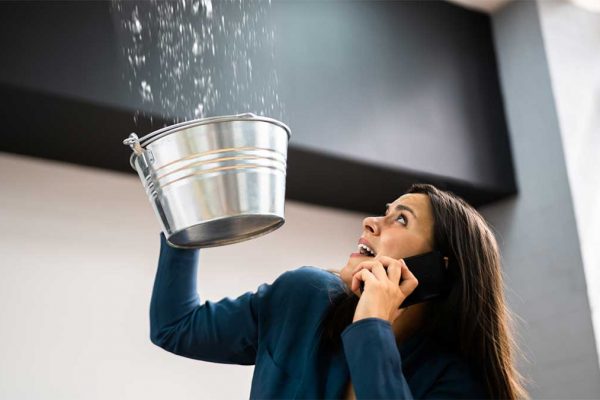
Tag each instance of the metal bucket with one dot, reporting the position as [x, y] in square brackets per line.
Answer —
[214, 181]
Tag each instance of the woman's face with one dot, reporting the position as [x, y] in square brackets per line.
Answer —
[406, 230]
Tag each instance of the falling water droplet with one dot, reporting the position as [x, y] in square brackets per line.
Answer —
[198, 112]
[195, 49]
[207, 5]
[146, 92]
[136, 24]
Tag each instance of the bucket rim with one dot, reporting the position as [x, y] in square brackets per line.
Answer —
[155, 135]
[167, 130]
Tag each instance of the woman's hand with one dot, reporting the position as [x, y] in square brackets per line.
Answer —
[384, 292]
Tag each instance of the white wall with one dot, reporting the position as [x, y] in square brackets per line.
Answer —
[79, 249]
[572, 42]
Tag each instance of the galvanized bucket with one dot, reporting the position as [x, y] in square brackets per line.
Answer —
[214, 181]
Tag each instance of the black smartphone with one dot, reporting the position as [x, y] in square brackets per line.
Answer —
[431, 272]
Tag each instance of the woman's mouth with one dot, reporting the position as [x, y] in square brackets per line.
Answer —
[363, 251]
[366, 250]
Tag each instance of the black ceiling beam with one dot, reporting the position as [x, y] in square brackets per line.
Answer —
[58, 128]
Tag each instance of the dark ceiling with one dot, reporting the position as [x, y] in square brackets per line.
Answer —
[56, 104]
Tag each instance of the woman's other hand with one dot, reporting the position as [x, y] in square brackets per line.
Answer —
[384, 291]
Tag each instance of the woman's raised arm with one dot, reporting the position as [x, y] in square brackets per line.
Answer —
[225, 331]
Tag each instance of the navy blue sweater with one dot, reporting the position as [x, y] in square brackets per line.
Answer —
[278, 329]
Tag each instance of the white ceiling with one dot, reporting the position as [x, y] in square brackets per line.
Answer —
[487, 6]
[491, 6]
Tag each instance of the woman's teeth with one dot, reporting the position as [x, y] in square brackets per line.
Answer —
[366, 250]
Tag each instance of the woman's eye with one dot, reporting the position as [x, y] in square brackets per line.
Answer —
[402, 216]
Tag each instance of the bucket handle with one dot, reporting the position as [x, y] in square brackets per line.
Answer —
[134, 142]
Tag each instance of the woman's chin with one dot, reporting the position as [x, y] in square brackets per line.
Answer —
[345, 274]
[353, 263]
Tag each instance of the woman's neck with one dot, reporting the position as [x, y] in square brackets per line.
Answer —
[409, 322]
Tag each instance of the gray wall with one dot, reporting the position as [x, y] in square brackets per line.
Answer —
[537, 230]
[572, 41]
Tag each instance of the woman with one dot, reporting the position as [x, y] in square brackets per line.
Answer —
[313, 334]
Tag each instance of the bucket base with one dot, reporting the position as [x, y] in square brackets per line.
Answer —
[218, 232]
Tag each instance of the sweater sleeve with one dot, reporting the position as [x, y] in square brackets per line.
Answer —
[374, 360]
[225, 331]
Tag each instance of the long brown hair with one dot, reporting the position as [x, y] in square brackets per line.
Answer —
[473, 319]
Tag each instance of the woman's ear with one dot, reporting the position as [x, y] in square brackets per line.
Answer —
[446, 262]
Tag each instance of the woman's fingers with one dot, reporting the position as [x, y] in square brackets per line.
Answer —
[364, 275]
[394, 268]
[387, 268]
[378, 270]
[383, 268]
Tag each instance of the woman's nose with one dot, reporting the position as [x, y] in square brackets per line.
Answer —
[371, 224]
